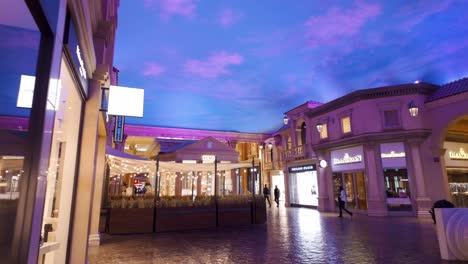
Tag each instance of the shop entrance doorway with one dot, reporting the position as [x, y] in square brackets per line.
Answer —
[456, 161]
[278, 180]
[354, 185]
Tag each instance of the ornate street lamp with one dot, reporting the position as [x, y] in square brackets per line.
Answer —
[413, 109]
[285, 120]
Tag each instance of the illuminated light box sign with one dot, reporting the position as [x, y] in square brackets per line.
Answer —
[119, 129]
[26, 92]
[347, 159]
[459, 155]
[302, 168]
[393, 154]
[125, 101]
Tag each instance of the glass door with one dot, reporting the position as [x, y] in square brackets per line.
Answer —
[354, 185]
[350, 190]
[361, 191]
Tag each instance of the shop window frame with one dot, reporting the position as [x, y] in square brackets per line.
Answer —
[342, 115]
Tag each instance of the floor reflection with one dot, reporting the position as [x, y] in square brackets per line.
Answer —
[291, 235]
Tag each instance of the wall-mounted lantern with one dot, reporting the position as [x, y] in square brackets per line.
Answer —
[413, 109]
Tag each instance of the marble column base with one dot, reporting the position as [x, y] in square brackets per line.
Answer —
[377, 208]
[323, 204]
[423, 205]
[94, 240]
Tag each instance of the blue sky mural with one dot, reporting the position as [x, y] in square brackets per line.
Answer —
[238, 65]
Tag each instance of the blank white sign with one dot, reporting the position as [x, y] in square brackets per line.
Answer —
[125, 101]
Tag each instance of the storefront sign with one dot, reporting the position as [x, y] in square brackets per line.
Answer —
[302, 168]
[119, 129]
[347, 159]
[80, 61]
[459, 155]
[393, 154]
[76, 52]
[208, 158]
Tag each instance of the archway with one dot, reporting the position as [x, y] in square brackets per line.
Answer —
[455, 144]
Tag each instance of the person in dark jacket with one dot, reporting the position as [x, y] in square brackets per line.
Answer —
[266, 194]
[277, 195]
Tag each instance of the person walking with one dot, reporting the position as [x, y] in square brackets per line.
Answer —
[341, 201]
[266, 194]
[277, 195]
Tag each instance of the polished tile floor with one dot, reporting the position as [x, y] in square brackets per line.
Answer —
[291, 235]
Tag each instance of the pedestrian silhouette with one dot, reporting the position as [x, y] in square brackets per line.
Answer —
[277, 195]
[341, 201]
[266, 194]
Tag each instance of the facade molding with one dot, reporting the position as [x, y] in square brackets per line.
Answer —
[193, 134]
[373, 138]
[373, 93]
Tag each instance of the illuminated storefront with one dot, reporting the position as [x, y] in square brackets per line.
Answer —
[349, 172]
[303, 185]
[456, 162]
[49, 73]
[397, 184]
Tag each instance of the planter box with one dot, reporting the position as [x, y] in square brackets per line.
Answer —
[232, 215]
[260, 213]
[184, 218]
[131, 220]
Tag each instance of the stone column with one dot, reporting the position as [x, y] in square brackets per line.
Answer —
[441, 173]
[86, 176]
[100, 181]
[324, 180]
[423, 202]
[374, 173]
[309, 128]
[287, 187]
[199, 180]
[235, 181]
[293, 132]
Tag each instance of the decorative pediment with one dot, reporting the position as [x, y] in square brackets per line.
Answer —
[207, 145]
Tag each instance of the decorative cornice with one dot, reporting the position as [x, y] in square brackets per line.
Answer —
[373, 138]
[373, 93]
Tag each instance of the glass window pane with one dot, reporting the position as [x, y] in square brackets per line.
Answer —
[19, 48]
[346, 124]
[324, 132]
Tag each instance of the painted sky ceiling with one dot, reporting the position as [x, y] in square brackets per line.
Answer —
[238, 65]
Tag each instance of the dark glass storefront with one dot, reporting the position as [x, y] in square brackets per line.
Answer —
[29, 73]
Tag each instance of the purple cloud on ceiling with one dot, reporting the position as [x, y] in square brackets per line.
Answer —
[229, 17]
[169, 8]
[213, 66]
[338, 23]
[415, 14]
[153, 69]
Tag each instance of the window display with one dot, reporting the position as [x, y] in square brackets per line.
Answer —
[62, 167]
[458, 187]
